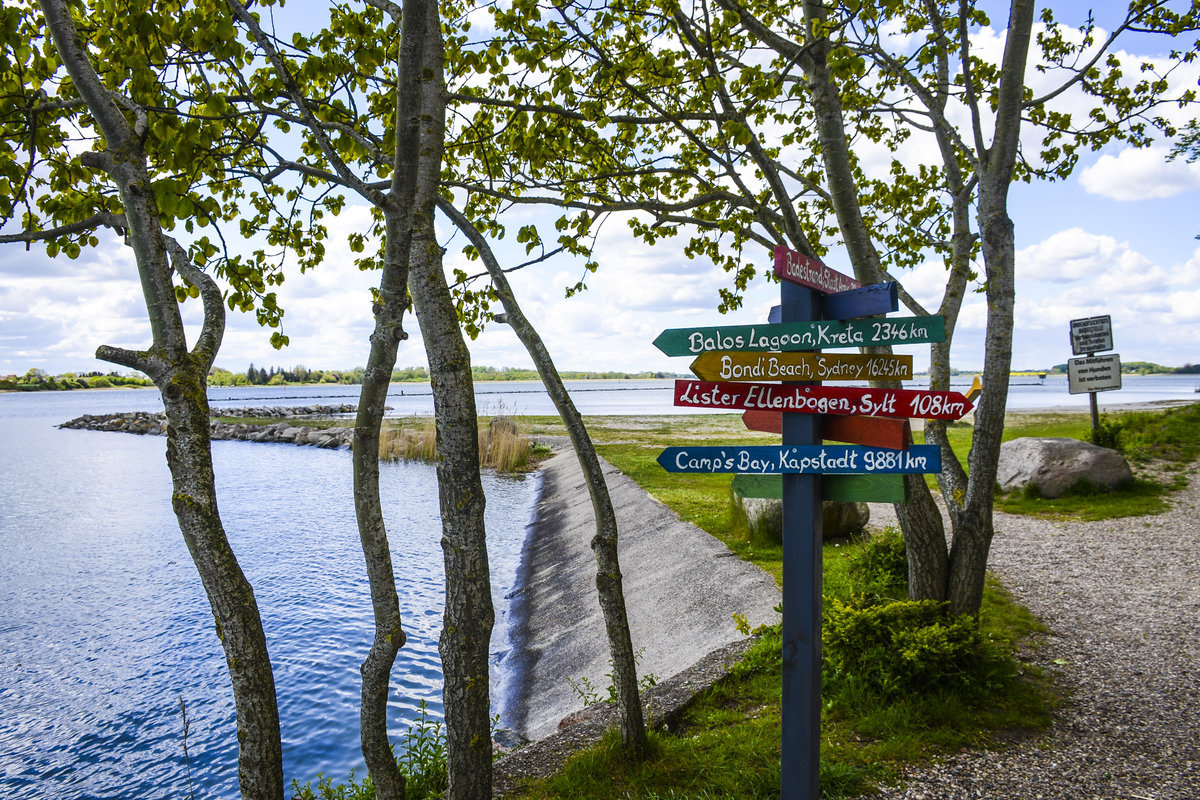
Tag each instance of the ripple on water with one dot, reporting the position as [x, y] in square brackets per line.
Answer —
[104, 627]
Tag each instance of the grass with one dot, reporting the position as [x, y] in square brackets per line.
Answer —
[504, 444]
[728, 742]
[1160, 445]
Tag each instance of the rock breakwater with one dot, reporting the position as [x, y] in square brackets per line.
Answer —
[289, 430]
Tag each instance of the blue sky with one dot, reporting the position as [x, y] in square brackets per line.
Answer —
[1116, 238]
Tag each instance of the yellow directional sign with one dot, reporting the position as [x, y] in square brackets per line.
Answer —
[799, 366]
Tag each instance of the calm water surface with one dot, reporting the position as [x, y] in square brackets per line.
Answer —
[104, 628]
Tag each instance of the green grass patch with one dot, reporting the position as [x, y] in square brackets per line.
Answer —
[1160, 445]
[728, 742]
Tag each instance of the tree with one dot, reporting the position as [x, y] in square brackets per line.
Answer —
[311, 83]
[604, 544]
[757, 121]
[64, 202]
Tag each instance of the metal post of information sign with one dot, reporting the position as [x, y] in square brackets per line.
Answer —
[1093, 373]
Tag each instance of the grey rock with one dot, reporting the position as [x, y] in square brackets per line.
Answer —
[1056, 465]
[764, 518]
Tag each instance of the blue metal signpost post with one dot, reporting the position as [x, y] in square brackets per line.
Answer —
[801, 713]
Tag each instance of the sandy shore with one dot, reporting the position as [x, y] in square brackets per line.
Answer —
[682, 588]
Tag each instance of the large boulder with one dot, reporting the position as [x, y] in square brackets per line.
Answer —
[764, 518]
[1056, 465]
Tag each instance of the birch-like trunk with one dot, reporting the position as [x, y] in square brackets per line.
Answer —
[920, 520]
[389, 635]
[973, 536]
[468, 616]
[181, 377]
[604, 543]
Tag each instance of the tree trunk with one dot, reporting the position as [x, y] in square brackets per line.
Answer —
[239, 626]
[604, 543]
[973, 536]
[469, 616]
[181, 377]
[389, 636]
[919, 517]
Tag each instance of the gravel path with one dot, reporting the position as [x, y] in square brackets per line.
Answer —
[1122, 601]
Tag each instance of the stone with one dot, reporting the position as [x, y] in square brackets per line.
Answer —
[764, 518]
[1057, 465]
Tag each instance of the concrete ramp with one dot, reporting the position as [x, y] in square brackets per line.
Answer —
[682, 588]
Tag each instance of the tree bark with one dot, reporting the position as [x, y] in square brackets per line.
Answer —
[181, 377]
[604, 543]
[469, 615]
[919, 517]
[973, 537]
[389, 634]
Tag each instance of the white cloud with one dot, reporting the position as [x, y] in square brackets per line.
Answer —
[1144, 174]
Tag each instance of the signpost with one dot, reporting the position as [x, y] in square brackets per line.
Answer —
[877, 488]
[867, 301]
[820, 459]
[717, 365]
[842, 400]
[802, 335]
[732, 362]
[810, 273]
[1091, 335]
[1093, 374]
[871, 431]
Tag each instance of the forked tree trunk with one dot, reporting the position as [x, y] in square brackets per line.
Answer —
[181, 377]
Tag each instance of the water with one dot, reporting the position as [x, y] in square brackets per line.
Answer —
[104, 627]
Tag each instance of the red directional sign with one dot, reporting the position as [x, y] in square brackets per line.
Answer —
[871, 431]
[799, 268]
[839, 400]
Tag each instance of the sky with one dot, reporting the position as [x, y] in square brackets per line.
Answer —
[1116, 238]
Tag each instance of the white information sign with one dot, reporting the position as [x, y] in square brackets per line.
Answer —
[1095, 374]
[1091, 335]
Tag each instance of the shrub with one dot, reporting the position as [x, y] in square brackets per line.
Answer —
[880, 564]
[894, 647]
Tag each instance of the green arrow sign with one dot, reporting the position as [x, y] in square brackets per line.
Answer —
[846, 488]
[816, 335]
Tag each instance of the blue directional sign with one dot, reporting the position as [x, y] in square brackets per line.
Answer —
[820, 459]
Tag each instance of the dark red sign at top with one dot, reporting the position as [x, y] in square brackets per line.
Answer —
[799, 268]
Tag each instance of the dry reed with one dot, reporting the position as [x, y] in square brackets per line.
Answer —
[503, 445]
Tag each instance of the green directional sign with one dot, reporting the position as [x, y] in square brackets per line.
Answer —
[814, 335]
[880, 488]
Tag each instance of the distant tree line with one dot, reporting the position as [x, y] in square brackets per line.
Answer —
[38, 380]
[1143, 368]
[278, 376]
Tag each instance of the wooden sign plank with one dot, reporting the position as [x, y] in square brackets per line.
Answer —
[844, 488]
[878, 298]
[815, 335]
[719, 365]
[871, 431]
[804, 271]
[819, 459]
[838, 400]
